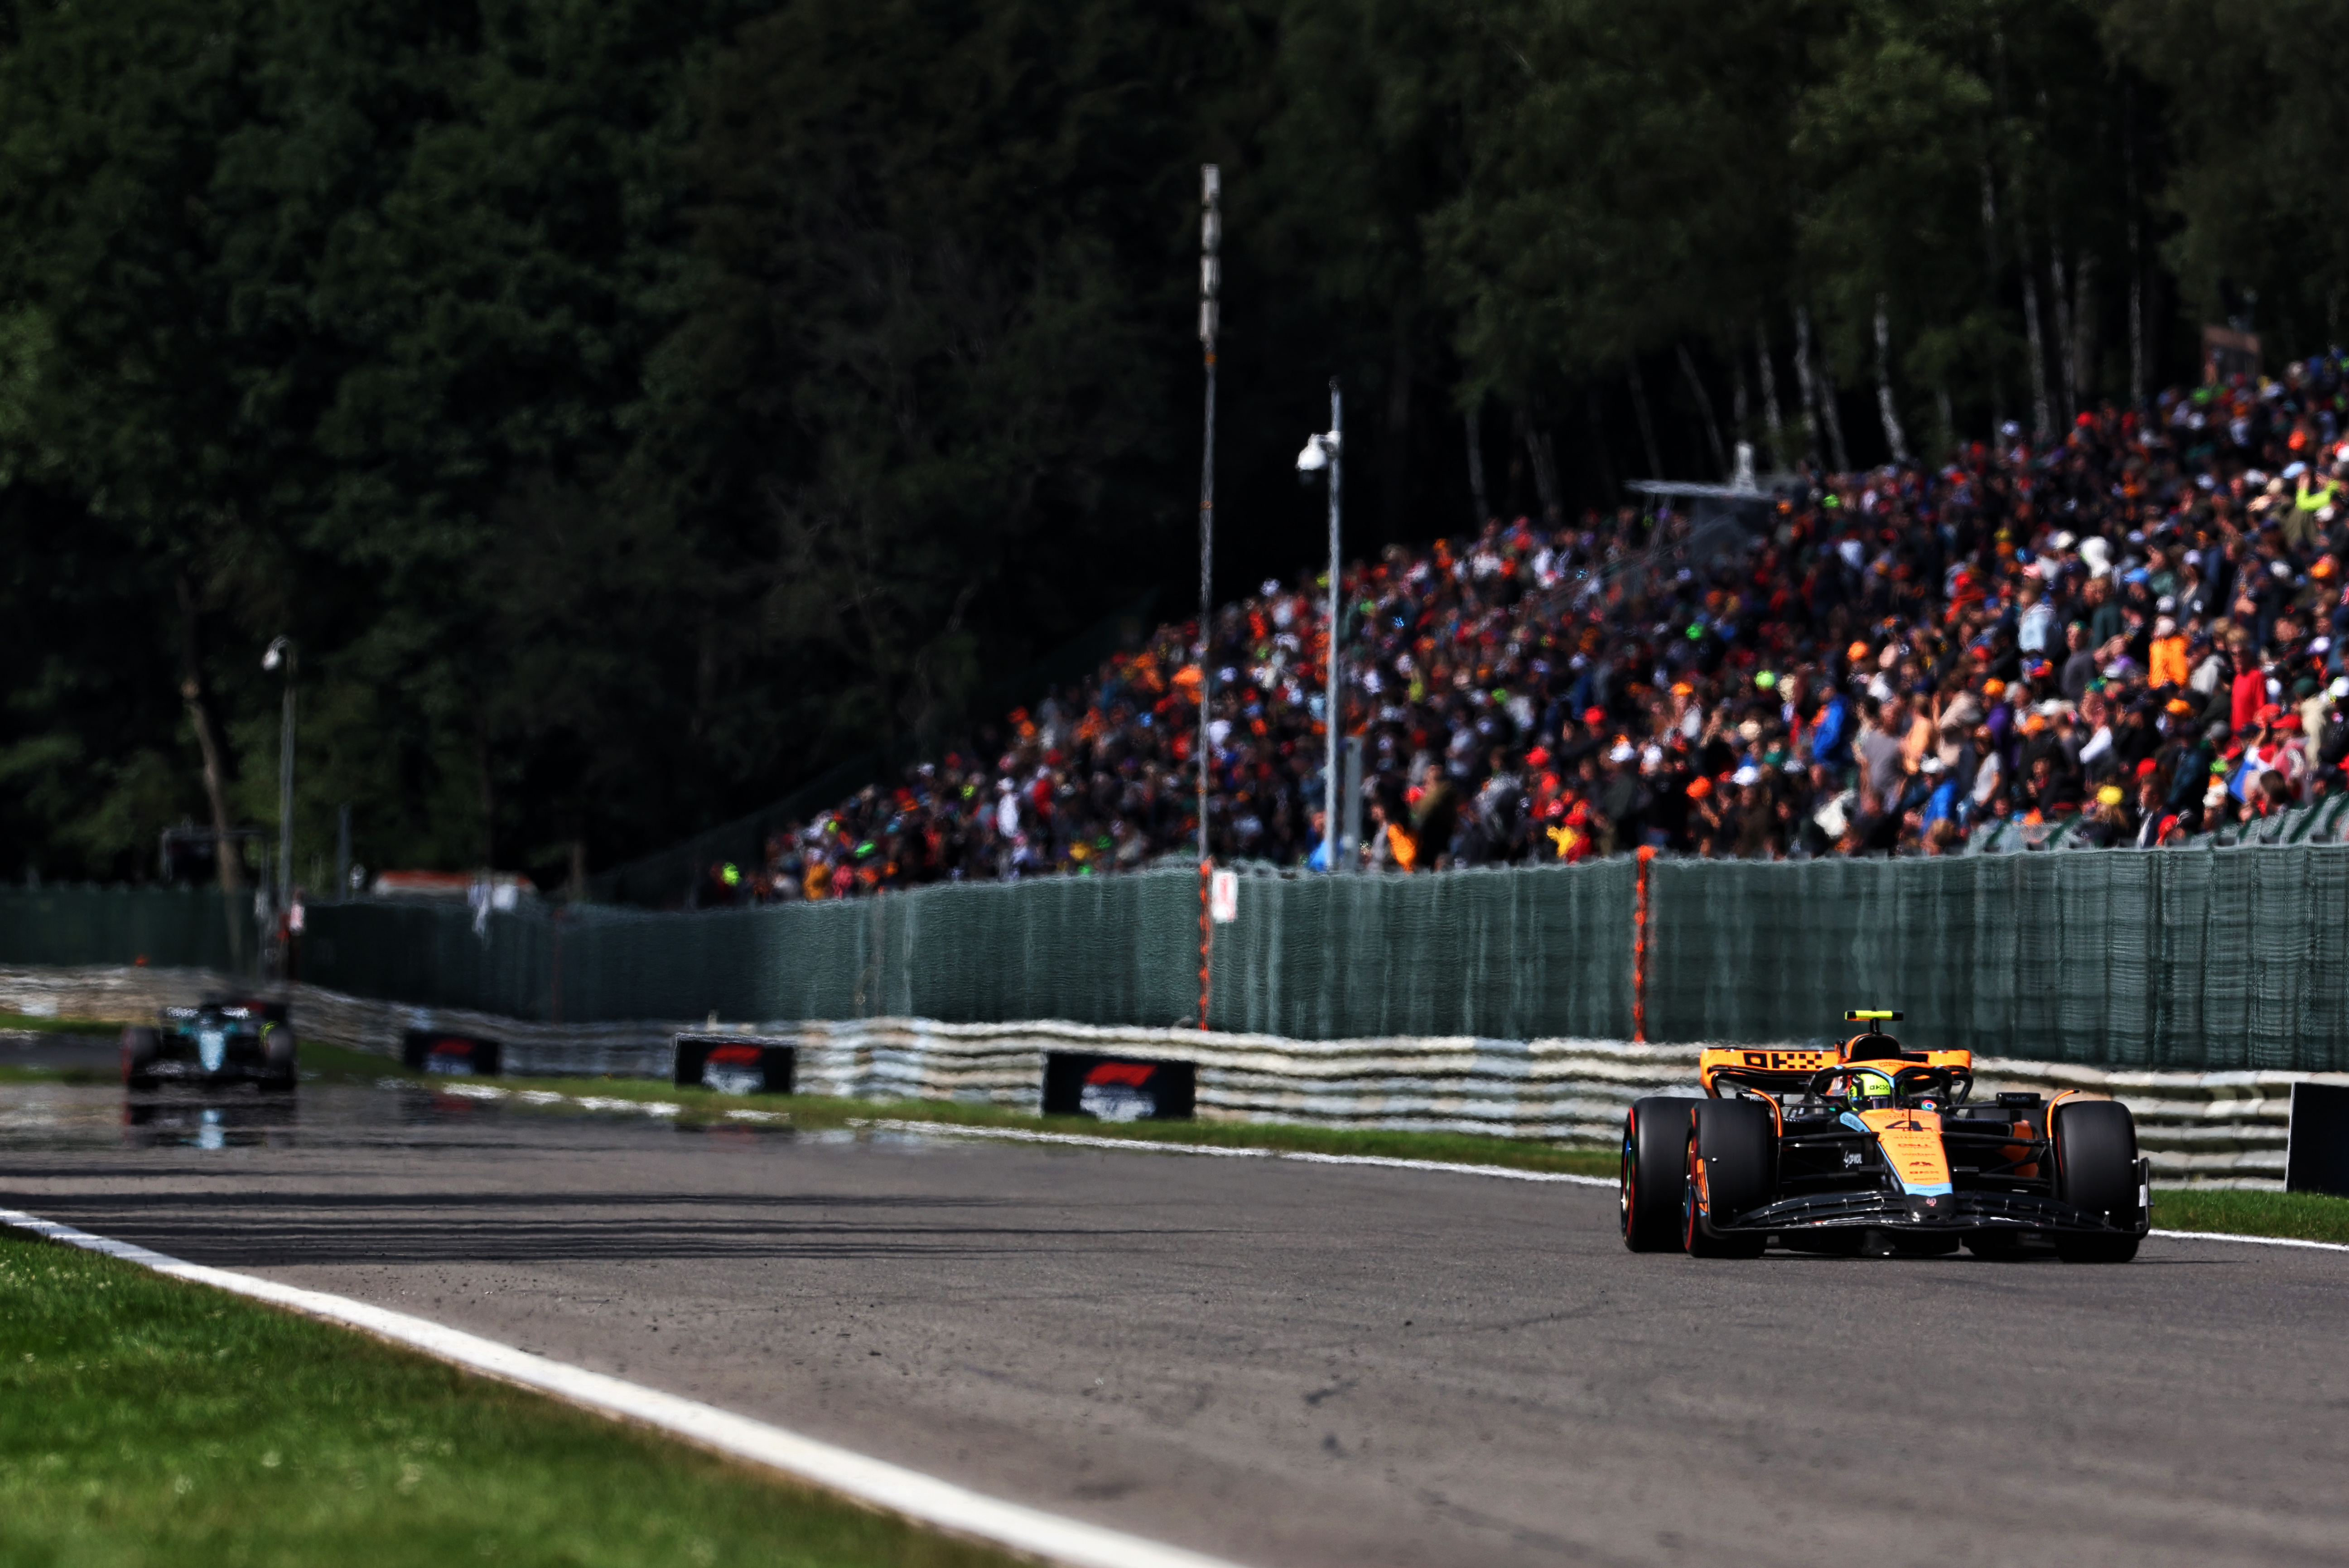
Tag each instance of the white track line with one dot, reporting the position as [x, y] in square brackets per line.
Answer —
[1152, 1145]
[2253, 1240]
[924, 1498]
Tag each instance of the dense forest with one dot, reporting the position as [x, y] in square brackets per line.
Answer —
[629, 409]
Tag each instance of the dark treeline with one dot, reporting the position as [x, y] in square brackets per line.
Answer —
[630, 408]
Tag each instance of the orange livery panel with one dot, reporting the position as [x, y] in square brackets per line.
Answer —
[1911, 1141]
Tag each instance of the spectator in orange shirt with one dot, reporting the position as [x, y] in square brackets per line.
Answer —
[2165, 655]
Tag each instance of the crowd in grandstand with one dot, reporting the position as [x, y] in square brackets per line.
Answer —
[2137, 627]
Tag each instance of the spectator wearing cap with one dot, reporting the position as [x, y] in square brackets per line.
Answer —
[1758, 831]
[2108, 823]
[2314, 505]
[1708, 826]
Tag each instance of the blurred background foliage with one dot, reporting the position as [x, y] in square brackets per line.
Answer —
[631, 409]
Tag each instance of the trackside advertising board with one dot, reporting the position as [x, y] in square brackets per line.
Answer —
[735, 1064]
[1118, 1088]
[2316, 1152]
[450, 1055]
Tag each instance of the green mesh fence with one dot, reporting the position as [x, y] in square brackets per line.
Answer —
[167, 927]
[2190, 959]
[1513, 955]
[2185, 960]
[1120, 950]
[1500, 953]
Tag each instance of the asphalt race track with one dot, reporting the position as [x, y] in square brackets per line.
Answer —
[1286, 1364]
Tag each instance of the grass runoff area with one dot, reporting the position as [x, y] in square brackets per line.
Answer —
[145, 1419]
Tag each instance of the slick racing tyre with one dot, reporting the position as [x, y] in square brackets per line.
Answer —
[1729, 1165]
[277, 1062]
[1655, 1168]
[2097, 1169]
[138, 1051]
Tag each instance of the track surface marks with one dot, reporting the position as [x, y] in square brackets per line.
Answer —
[1283, 1363]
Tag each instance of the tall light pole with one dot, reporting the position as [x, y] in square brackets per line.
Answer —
[280, 652]
[1328, 450]
[1211, 289]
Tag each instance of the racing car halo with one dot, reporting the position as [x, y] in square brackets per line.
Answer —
[1871, 1147]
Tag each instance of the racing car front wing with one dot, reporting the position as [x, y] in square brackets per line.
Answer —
[1949, 1211]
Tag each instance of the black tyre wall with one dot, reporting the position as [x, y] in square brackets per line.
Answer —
[1655, 1156]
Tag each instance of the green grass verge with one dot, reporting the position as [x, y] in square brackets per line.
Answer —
[820, 1113]
[33, 1023]
[147, 1420]
[2303, 1216]
[10, 1073]
[37, 1023]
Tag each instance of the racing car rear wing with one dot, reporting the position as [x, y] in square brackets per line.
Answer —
[1776, 1073]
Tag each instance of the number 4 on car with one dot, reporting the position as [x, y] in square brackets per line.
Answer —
[1869, 1148]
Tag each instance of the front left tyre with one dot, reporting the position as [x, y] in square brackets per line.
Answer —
[1655, 1156]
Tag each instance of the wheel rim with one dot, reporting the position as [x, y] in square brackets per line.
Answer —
[1630, 1168]
[1688, 1197]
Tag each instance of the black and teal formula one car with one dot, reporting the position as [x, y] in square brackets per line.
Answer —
[223, 1040]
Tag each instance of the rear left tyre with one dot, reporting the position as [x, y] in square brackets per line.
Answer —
[2097, 1171]
[1731, 1149]
[1655, 1156]
[277, 1059]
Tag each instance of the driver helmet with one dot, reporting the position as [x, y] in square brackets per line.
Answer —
[1867, 1084]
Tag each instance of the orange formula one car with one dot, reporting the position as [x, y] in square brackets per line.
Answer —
[1873, 1149]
